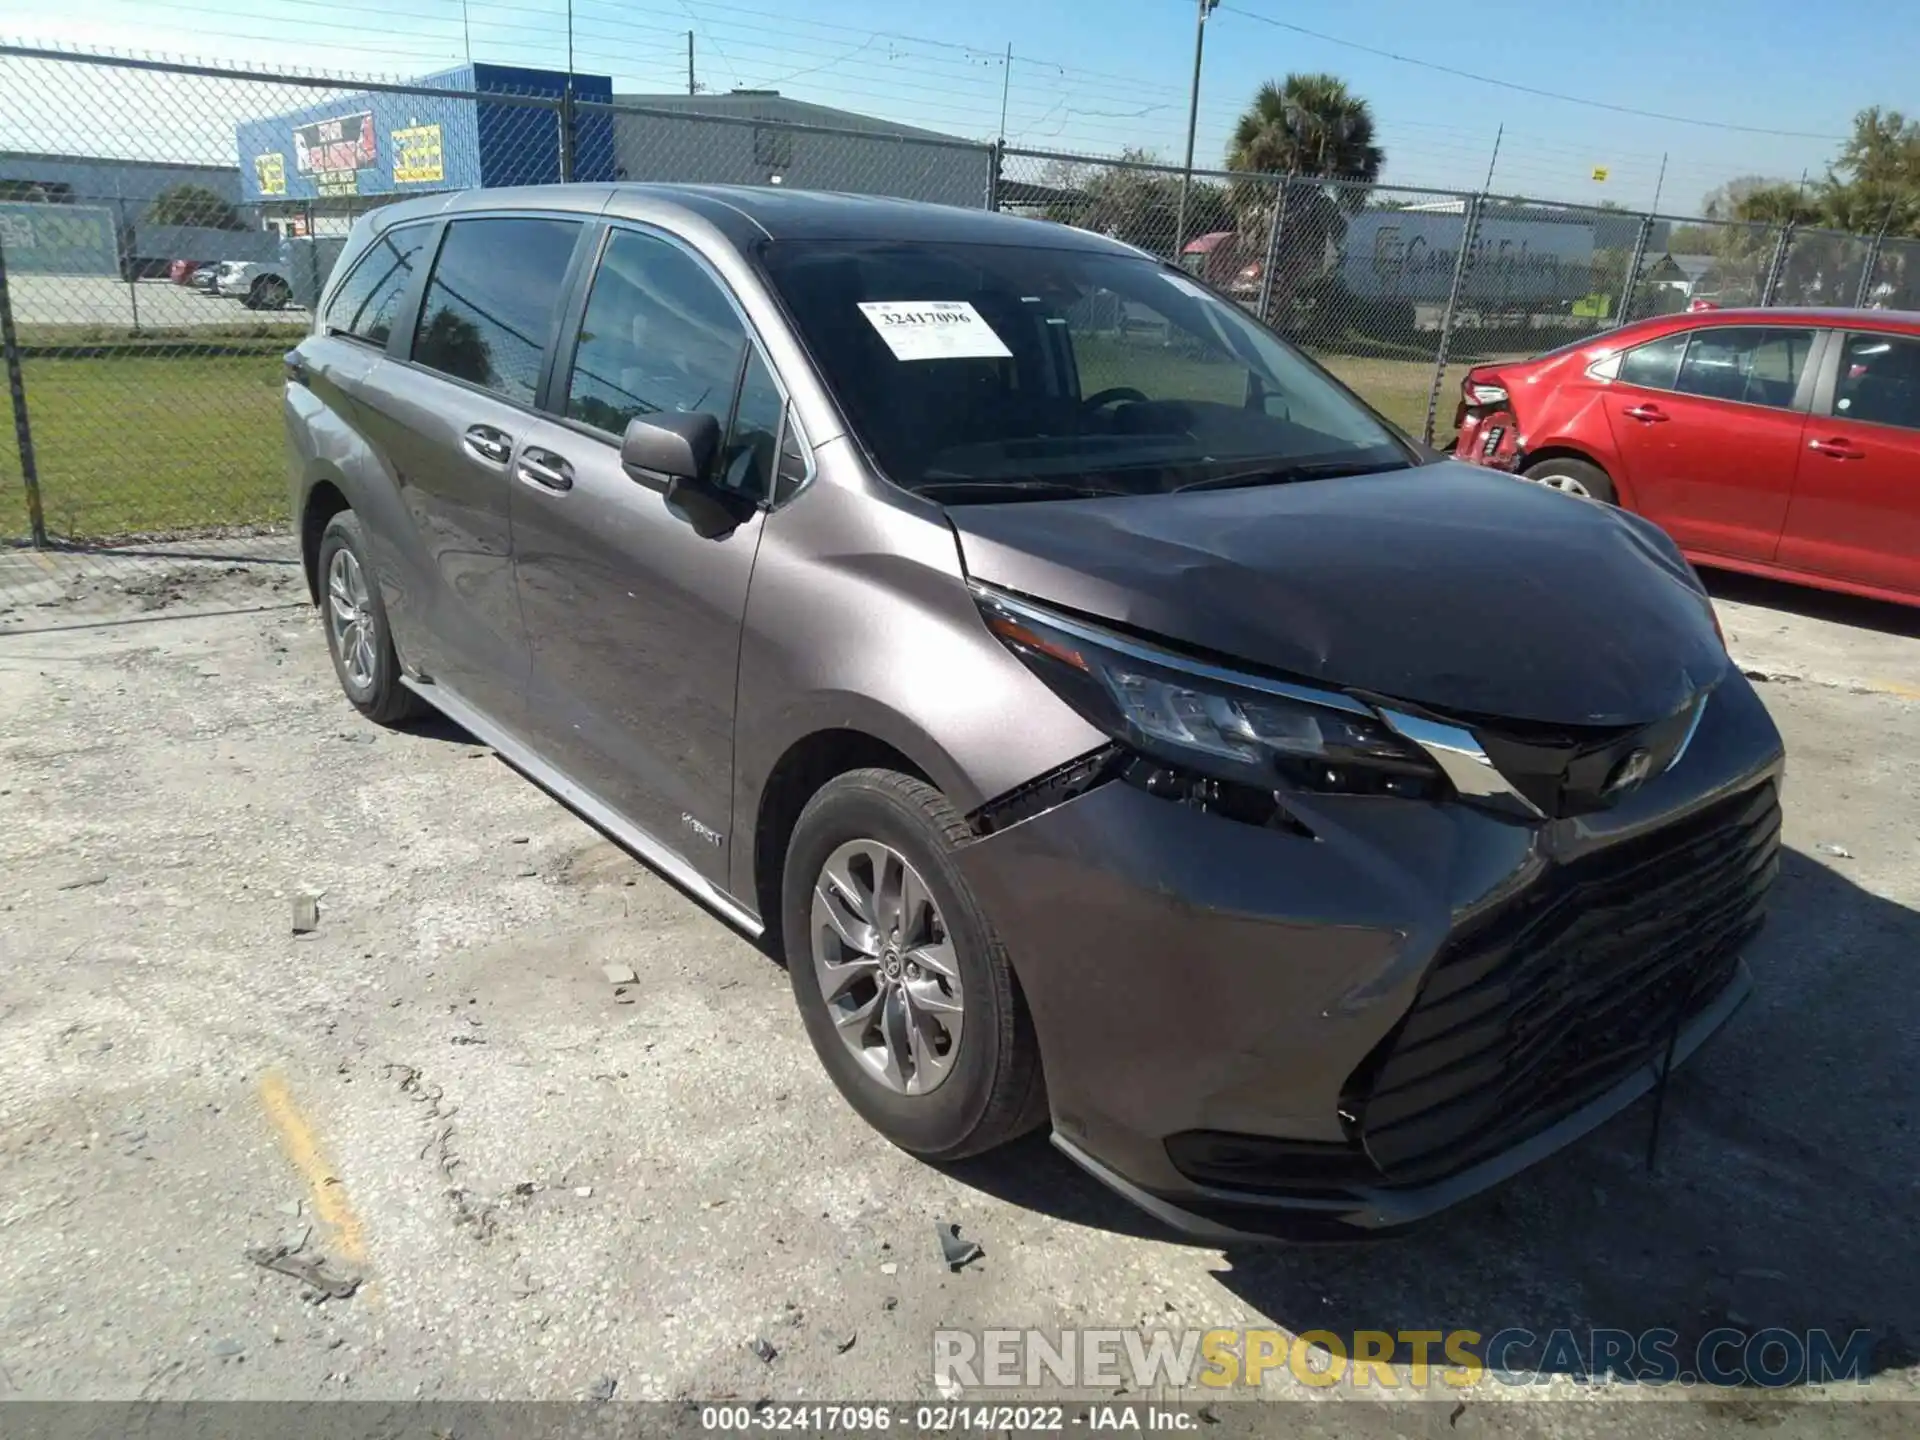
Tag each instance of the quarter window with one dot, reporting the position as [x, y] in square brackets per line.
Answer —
[491, 302]
[659, 335]
[1879, 381]
[369, 298]
[751, 453]
[1654, 365]
[1750, 364]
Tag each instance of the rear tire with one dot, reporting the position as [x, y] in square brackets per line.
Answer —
[269, 292]
[944, 963]
[1573, 477]
[355, 621]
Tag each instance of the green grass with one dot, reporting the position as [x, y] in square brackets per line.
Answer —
[1396, 388]
[141, 445]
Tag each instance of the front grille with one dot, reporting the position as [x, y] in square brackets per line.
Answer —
[1551, 1000]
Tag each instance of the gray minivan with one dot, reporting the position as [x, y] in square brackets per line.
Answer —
[1113, 726]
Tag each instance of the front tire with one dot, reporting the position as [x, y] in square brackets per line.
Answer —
[904, 987]
[355, 620]
[1573, 477]
[269, 292]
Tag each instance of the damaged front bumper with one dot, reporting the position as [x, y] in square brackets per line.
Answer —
[1254, 1032]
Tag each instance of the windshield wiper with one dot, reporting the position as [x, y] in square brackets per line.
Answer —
[1286, 474]
[984, 491]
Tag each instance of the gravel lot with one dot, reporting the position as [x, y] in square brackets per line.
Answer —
[548, 1185]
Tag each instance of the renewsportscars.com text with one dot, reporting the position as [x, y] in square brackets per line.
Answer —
[1394, 1360]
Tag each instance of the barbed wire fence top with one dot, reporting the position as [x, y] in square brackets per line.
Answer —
[167, 226]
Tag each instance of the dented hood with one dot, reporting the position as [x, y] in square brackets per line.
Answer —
[1445, 585]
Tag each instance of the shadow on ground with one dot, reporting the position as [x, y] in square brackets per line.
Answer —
[1829, 605]
[1782, 1197]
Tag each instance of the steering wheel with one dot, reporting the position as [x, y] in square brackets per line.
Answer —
[1112, 394]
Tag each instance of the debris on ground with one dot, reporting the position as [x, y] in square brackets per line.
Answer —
[619, 974]
[583, 1191]
[948, 1387]
[844, 1345]
[309, 1269]
[955, 1251]
[889, 1268]
[603, 1388]
[1826, 847]
[306, 914]
[84, 882]
[519, 839]
[228, 1347]
[763, 1347]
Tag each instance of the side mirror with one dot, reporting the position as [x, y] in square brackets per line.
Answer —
[670, 446]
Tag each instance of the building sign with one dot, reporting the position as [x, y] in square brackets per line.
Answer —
[1407, 255]
[272, 170]
[333, 152]
[417, 156]
[52, 239]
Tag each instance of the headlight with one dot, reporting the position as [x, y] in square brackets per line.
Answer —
[1241, 729]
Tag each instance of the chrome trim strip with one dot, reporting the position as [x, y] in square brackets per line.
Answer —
[1166, 659]
[1459, 755]
[1699, 709]
[589, 807]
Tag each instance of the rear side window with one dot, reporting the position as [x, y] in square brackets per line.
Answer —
[491, 302]
[659, 334]
[1879, 381]
[1749, 364]
[1654, 365]
[369, 298]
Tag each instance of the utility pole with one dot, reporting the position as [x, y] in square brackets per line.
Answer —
[1193, 121]
[692, 89]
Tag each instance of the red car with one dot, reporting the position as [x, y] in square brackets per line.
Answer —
[1785, 443]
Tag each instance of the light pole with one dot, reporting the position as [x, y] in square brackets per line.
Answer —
[1193, 121]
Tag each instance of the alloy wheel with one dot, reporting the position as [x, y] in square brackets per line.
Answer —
[350, 617]
[886, 966]
[1565, 484]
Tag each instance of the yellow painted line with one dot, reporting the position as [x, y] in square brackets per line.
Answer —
[1896, 687]
[329, 1193]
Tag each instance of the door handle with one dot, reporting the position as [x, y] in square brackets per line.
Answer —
[1836, 450]
[1648, 413]
[296, 367]
[490, 444]
[546, 469]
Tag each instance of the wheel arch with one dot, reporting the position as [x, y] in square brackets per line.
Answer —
[325, 499]
[801, 771]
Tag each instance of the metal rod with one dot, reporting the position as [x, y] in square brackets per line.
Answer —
[692, 89]
[1659, 184]
[1498, 135]
[22, 432]
[1640, 242]
[466, 32]
[1193, 123]
[1273, 249]
[1777, 270]
[1460, 265]
[1006, 90]
[1871, 263]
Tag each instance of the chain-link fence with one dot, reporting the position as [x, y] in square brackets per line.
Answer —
[165, 227]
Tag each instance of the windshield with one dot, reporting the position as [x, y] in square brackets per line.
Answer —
[993, 372]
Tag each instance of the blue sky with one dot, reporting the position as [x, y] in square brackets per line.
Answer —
[1090, 77]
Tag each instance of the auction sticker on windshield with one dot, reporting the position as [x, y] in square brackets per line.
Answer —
[934, 330]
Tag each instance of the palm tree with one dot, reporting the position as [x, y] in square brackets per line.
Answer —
[1311, 128]
[1307, 125]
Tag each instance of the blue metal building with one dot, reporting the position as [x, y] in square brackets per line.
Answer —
[382, 143]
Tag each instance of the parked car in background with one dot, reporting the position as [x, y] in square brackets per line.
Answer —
[1156, 745]
[206, 278]
[1780, 442]
[258, 284]
[181, 272]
